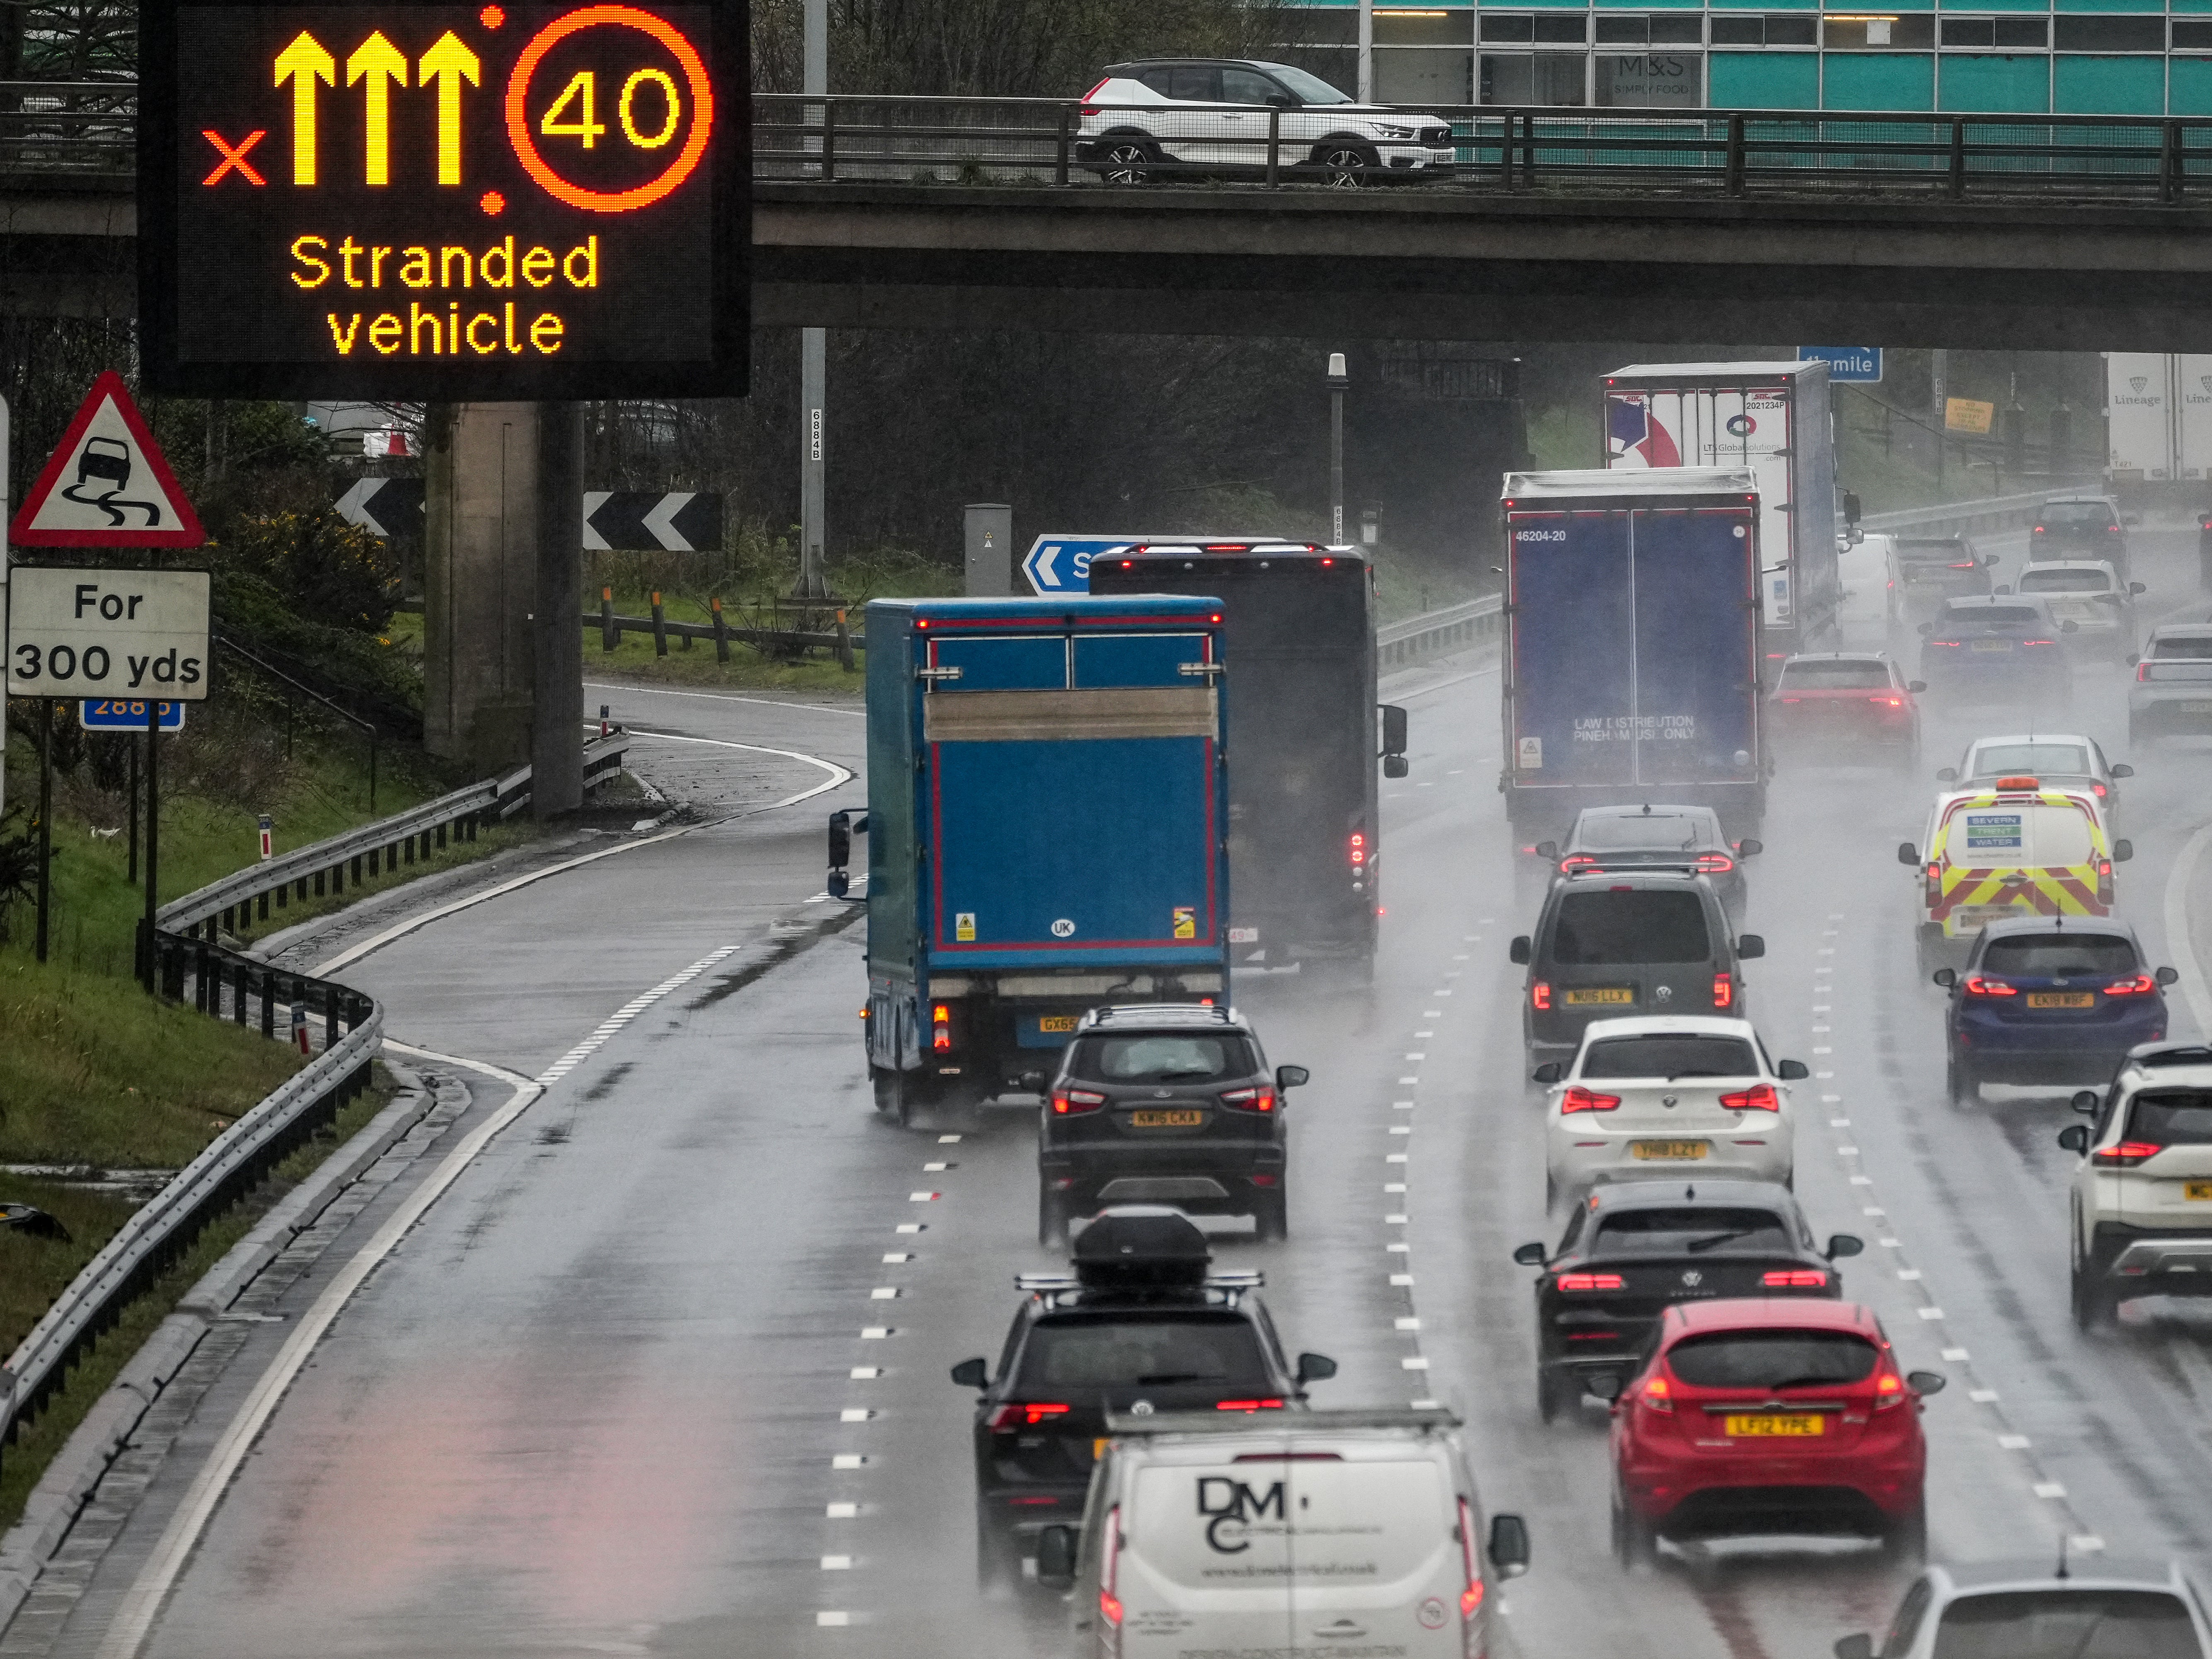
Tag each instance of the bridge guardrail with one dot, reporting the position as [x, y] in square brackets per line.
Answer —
[57, 131]
[1989, 512]
[386, 844]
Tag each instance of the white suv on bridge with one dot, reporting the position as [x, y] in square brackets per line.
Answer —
[1164, 116]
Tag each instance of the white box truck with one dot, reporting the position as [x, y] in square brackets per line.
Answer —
[2158, 417]
[1772, 419]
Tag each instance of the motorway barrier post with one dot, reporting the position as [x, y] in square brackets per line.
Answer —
[298, 1021]
[721, 639]
[610, 629]
[659, 629]
[46, 813]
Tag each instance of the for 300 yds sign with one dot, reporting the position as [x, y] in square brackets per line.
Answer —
[108, 633]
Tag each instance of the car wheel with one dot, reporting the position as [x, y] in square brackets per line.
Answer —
[1052, 1219]
[997, 1554]
[1635, 1541]
[1960, 1083]
[1347, 167]
[1272, 1219]
[1130, 162]
[1550, 1395]
[2092, 1302]
[1907, 1540]
[892, 1093]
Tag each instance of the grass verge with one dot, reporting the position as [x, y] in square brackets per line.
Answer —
[33, 1271]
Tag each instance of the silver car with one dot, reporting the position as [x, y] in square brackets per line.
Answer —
[2173, 691]
[2090, 1608]
[2091, 595]
[2057, 760]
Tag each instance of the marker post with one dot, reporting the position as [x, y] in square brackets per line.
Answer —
[46, 814]
[149, 957]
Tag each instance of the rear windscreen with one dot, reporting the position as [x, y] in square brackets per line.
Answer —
[2064, 582]
[1669, 1057]
[2181, 672]
[2008, 616]
[1935, 553]
[2066, 1624]
[1835, 677]
[1713, 1229]
[1999, 760]
[2077, 513]
[2059, 955]
[1771, 1359]
[2172, 1117]
[2008, 836]
[1160, 1057]
[1630, 928]
[2182, 645]
[1075, 1354]
[1252, 1525]
[1639, 835]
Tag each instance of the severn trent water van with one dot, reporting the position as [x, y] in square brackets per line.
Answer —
[1340, 1532]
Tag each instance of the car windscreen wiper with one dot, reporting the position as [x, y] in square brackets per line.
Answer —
[1683, 1074]
[1158, 1379]
[1183, 1077]
[1711, 1239]
[1804, 1382]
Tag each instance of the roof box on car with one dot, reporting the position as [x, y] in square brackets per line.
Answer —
[1141, 1244]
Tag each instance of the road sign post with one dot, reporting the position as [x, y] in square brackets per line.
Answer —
[46, 814]
[149, 958]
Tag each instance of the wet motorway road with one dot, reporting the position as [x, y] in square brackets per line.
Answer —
[664, 1370]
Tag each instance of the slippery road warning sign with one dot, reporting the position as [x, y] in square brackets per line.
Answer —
[107, 484]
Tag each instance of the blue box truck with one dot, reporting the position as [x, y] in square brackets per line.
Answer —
[1633, 642]
[1047, 829]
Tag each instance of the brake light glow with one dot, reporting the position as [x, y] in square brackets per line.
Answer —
[1715, 864]
[1074, 1103]
[1088, 107]
[1579, 1099]
[1248, 1405]
[1888, 702]
[1759, 1098]
[1358, 851]
[1655, 1395]
[2018, 783]
[2038, 642]
[1109, 1566]
[2141, 985]
[2142, 673]
[1951, 645]
[1978, 985]
[1724, 990]
[1016, 1415]
[940, 1017]
[1592, 1282]
[2104, 881]
[1934, 883]
[2100, 789]
[1575, 861]
[1470, 1598]
[2127, 1154]
[1795, 1278]
[1539, 996]
[1250, 1100]
[1889, 1390]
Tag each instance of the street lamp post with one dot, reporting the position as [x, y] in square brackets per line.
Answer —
[1338, 381]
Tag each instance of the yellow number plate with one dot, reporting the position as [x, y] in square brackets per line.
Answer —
[1166, 1120]
[1782, 1428]
[1611, 996]
[2197, 1192]
[1056, 1021]
[1668, 1149]
[2062, 998]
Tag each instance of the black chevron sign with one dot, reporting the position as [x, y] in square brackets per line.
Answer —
[384, 506]
[672, 521]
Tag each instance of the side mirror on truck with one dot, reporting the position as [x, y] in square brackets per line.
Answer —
[839, 883]
[1394, 764]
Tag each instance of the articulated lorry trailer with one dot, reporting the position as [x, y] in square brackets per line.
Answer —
[1046, 825]
[1773, 421]
[1633, 642]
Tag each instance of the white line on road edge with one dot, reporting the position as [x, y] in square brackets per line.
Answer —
[144, 1600]
[838, 773]
[353, 953]
[2177, 938]
[725, 697]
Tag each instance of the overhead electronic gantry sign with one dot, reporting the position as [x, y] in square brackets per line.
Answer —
[405, 201]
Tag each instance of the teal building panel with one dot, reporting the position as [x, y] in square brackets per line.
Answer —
[2108, 86]
[2190, 89]
[1996, 83]
[1879, 79]
[1763, 79]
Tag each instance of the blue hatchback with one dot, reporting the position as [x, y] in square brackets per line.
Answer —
[2042, 1000]
[1999, 648]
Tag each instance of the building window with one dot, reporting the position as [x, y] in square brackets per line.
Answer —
[2192, 34]
[1544, 28]
[1508, 26]
[2090, 32]
[1774, 29]
[1851, 31]
[1528, 80]
[1396, 27]
[2005, 34]
[1648, 80]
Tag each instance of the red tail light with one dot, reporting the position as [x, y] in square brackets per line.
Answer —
[1979, 986]
[1250, 1100]
[1888, 702]
[1579, 1099]
[1724, 990]
[2039, 530]
[2142, 673]
[1935, 883]
[940, 1020]
[1575, 861]
[1795, 1278]
[2038, 642]
[1963, 564]
[1110, 1574]
[1591, 1282]
[2141, 985]
[1074, 1103]
[2127, 1154]
[1889, 1390]
[1759, 1098]
[1470, 1599]
[1358, 851]
[1248, 1405]
[1657, 1396]
[1949, 644]
[2104, 881]
[2021, 781]
[1715, 864]
[1013, 1415]
[1091, 109]
[2100, 788]
[1540, 997]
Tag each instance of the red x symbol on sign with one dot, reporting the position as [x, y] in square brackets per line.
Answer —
[235, 157]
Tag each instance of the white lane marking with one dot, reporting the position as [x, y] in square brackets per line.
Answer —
[846, 1461]
[2177, 939]
[948, 1140]
[844, 1512]
[725, 697]
[935, 1169]
[1414, 1362]
[2013, 1442]
[1931, 1313]
[1401, 1279]
[832, 1620]
[1957, 1356]
[628, 1012]
[142, 1602]
[908, 1227]
[1982, 1396]
[837, 774]
[837, 1563]
[864, 1373]
[898, 1255]
[1394, 1186]
[2049, 1489]
[875, 1332]
[1409, 1323]
[883, 1293]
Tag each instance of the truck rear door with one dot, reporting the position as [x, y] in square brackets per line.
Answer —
[1037, 750]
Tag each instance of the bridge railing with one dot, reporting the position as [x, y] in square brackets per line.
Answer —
[81, 129]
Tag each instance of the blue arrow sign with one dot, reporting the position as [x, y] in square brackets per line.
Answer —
[1854, 363]
[1061, 564]
[121, 714]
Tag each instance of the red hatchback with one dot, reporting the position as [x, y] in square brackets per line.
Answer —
[1770, 1416]
[1828, 701]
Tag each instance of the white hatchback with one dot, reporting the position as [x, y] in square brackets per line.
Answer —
[1655, 1096]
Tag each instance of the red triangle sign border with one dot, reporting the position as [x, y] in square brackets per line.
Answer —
[187, 533]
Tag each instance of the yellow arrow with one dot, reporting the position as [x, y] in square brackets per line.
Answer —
[304, 63]
[448, 63]
[377, 61]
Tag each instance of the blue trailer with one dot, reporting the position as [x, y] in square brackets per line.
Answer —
[1634, 637]
[1047, 829]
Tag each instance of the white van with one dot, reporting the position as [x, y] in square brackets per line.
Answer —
[1336, 1532]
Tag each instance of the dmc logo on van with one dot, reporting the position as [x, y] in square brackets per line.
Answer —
[1230, 1507]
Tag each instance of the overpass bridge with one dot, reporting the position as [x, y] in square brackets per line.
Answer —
[2048, 232]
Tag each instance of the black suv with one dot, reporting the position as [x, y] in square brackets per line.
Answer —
[1164, 1104]
[2081, 527]
[1615, 943]
[1633, 1249]
[1142, 1325]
